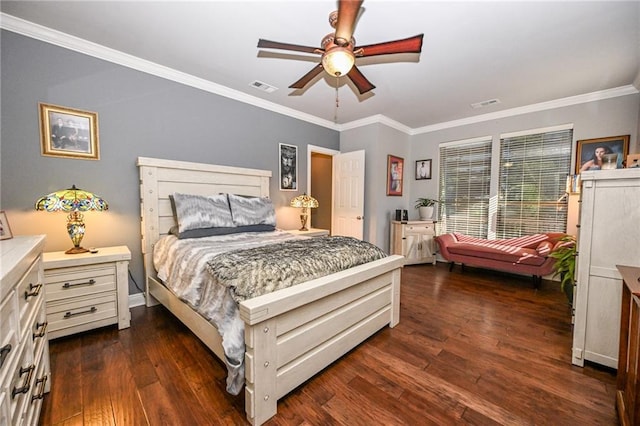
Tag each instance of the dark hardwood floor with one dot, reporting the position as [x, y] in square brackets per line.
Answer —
[472, 347]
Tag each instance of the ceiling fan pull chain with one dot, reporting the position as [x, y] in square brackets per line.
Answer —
[335, 116]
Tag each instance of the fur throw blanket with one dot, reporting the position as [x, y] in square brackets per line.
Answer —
[257, 271]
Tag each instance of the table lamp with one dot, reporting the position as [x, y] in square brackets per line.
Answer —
[74, 201]
[306, 202]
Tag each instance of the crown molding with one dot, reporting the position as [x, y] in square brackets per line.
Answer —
[48, 35]
[542, 106]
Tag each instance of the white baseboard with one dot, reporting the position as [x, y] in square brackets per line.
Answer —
[136, 300]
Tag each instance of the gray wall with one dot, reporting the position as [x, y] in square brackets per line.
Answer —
[378, 141]
[138, 115]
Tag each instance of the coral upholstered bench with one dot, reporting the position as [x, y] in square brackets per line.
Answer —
[528, 255]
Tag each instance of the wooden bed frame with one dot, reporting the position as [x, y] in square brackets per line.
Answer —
[290, 334]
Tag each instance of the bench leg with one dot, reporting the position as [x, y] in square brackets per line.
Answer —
[451, 265]
[537, 280]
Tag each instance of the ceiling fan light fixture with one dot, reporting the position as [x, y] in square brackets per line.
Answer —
[338, 61]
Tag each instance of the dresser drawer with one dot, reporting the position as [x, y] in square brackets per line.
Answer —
[81, 310]
[20, 383]
[39, 331]
[4, 408]
[420, 228]
[39, 387]
[29, 293]
[8, 332]
[65, 283]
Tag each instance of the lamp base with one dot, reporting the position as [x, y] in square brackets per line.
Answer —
[76, 250]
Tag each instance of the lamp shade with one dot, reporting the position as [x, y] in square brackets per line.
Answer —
[304, 200]
[338, 61]
[70, 200]
[73, 201]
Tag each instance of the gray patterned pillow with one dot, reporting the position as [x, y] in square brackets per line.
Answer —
[199, 211]
[251, 210]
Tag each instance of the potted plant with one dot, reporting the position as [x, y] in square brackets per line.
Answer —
[425, 207]
[565, 266]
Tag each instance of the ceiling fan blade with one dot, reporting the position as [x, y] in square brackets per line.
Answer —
[268, 44]
[347, 14]
[307, 77]
[406, 45]
[360, 81]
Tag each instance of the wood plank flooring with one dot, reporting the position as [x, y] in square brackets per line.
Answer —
[472, 347]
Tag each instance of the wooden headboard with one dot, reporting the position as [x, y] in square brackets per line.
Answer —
[161, 178]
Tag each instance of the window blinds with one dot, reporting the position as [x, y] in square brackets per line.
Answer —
[532, 182]
[465, 179]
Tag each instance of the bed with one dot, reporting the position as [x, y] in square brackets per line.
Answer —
[290, 334]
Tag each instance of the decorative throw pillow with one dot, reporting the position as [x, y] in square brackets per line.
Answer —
[251, 210]
[199, 211]
[544, 248]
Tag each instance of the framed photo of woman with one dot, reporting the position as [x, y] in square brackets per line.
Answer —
[601, 153]
[288, 167]
[395, 173]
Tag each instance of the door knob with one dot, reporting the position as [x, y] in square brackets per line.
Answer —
[360, 217]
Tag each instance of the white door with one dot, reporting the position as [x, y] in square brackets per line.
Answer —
[348, 194]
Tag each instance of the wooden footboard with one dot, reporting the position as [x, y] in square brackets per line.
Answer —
[292, 334]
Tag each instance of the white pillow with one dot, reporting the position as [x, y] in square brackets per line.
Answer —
[251, 210]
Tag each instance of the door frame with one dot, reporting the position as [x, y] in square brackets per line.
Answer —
[319, 150]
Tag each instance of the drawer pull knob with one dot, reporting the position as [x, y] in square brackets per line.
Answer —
[69, 285]
[33, 291]
[4, 353]
[88, 311]
[43, 383]
[27, 382]
[43, 329]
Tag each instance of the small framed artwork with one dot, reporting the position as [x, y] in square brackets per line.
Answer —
[601, 153]
[288, 167]
[395, 173]
[5, 231]
[69, 133]
[423, 169]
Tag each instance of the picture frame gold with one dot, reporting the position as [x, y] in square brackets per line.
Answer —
[395, 175]
[5, 229]
[586, 151]
[68, 132]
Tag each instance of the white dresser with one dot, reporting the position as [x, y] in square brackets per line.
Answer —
[609, 235]
[413, 239]
[24, 350]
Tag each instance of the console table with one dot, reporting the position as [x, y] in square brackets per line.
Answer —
[628, 387]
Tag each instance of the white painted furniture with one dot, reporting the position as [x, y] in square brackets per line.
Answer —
[323, 318]
[24, 349]
[609, 234]
[414, 240]
[312, 232]
[86, 291]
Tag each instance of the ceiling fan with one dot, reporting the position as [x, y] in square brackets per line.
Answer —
[339, 51]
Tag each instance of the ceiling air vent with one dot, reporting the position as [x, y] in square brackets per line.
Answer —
[263, 86]
[486, 103]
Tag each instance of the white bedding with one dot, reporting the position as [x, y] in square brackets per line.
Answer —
[181, 265]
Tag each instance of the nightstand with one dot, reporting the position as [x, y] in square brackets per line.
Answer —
[312, 232]
[86, 291]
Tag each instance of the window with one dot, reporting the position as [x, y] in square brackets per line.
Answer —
[465, 178]
[526, 195]
[532, 182]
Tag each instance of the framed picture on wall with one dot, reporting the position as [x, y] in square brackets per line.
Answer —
[288, 167]
[67, 132]
[423, 169]
[601, 153]
[5, 231]
[395, 173]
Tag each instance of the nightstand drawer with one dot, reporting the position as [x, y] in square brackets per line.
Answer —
[64, 283]
[29, 294]
[420, 228]
[81, 310]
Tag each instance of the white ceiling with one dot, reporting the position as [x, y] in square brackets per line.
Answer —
[522, 53]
